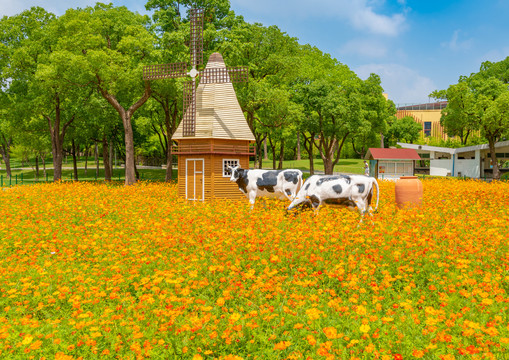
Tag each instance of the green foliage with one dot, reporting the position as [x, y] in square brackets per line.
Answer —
[54, 65]
[403, 130]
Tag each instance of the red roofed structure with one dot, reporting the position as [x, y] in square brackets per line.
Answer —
[391, 163]
[393, 154]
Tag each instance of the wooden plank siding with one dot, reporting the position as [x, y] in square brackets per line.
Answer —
[215, 184]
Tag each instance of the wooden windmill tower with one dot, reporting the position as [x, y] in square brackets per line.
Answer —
[213, 133]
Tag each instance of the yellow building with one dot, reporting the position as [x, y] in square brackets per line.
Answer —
[428, 116]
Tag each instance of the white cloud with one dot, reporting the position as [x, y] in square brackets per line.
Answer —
[367, 48]
[402, 84]
[454, 44]
[495, 55]
[361, 14]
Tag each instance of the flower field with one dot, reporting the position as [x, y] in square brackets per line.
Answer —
[106, 271]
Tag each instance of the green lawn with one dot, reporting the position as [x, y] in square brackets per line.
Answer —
[354, 166]
[28, 176]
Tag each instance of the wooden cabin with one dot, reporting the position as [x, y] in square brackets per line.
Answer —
[222, 138]
[391, 163]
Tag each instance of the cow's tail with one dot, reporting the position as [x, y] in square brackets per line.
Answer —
[377, 192]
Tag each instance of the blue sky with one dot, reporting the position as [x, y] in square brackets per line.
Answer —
[415, 46]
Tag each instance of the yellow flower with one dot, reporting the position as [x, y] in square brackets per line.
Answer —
[27, 340]
[361, 310]
[365, 328]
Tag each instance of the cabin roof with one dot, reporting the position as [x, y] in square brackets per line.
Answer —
[392, 154]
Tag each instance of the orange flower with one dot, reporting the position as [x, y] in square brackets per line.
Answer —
[282, 345]
[418, 353]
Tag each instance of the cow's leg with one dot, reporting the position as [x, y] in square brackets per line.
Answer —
[252, 198]
[361, 206]
[315, 203]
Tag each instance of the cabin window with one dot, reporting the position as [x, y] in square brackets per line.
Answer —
[229, 162]
[427, 128]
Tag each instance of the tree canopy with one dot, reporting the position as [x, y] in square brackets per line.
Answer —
[63, 78]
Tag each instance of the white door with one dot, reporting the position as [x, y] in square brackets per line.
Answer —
[195, 184]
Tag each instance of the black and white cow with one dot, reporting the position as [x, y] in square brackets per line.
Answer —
[352, 191]
[256, 183]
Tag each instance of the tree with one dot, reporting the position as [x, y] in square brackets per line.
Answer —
[479, 102]
[25, 44]
[272, 58]
[404, 129]
[109, 46]
[329, 94]
[455, 118]
[376, 114]
[278, 118]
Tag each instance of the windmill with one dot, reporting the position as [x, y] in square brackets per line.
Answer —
[213, 134]
[207, 76]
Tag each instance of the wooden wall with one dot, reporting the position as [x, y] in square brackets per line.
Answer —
[215, 184]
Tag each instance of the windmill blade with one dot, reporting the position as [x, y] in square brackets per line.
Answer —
[189, 118]
[196, 42]
[173, 70]
[223, 75]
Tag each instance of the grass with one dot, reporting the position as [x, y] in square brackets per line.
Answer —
[28, 176]
[355, 166]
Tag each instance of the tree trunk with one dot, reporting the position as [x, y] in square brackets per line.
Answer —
[259, 148]
[496, 170]
[86, 159]
[106, 160]
[265, 154]
[308, 146]
[57, 163]
[281, 155]
[96, 155]
[130, 173]
[110, 162]
[273, 150]
[36, 167]
[74, 161]
[43, 165]
[57, 138]
[5, 150]
[328, 168]
[169, 163]
[298, 147]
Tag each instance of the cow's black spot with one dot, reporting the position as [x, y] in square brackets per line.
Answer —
[324, 179]
[307, 186]
[242, 180]
[337, 188]
[315, 201]
[347, 178]
[288, 192]
[361, 187]
[291, 176]
[341, 202]
[267, 181]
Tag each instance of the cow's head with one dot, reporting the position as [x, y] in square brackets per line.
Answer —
[300, 203]
[236, 172]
